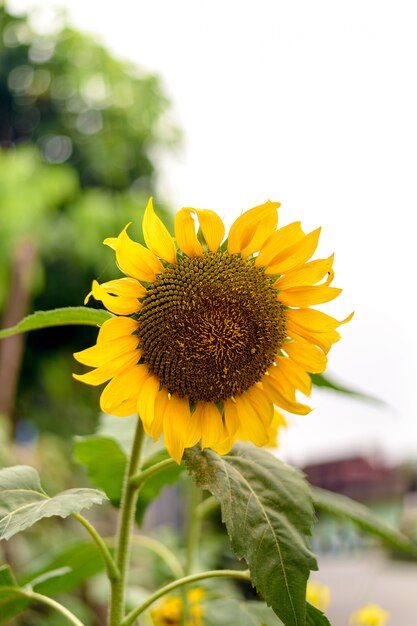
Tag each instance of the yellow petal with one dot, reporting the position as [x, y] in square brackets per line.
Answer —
[212, 228]
[278, 241]
[323, 340]
[116, 327]
[107, 293]
[276, 392]
[263, 407]
[309, 274]
[119, 397]
[146, 400]
[156, 235]
[212, 427]
[294, 256]
[156, 426]
[306, 355]
[102, 353]
[185, 234]
[278, 422]
[176, 422]
[314, 320]
[249, 232]
[231, 418]
[101, 374]
[251, 426]
[134, 259]
[294, 373]
[307, 296]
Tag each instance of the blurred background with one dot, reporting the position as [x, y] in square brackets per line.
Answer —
[222, 105]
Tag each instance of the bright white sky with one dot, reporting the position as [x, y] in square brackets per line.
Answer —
[313, 104]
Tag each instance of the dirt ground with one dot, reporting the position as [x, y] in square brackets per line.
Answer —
[370, 578]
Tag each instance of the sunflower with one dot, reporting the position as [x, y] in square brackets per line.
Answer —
[209, 336]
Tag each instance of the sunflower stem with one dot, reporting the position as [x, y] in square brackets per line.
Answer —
[39, 597]
[137, 480]
[111, 568]
[221, 573]
[127, 513]
[193, 530]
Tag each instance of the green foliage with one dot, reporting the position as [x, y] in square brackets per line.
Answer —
[65, 92]
[231, 612]
[58, 317]
[341, 506]
[267, 509]
[323, 381]
[73, 565]
[23, 502]
[315, 617]
[10, 603]
[112, 443]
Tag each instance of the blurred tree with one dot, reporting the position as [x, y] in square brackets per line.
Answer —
[65, 92]
[79, 135]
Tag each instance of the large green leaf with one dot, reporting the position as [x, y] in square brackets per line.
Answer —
[230, 612]
[343, 507]
[10, 603]
[267, 508]
[320, 380]
[72, 566]
[316, 617]
[59, 317]
[23, 502]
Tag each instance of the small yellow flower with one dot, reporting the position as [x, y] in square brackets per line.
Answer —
[169, 613]
[369, 615]
[318, 595]
[208, 336]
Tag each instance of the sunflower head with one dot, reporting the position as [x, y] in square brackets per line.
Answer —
[209, 336]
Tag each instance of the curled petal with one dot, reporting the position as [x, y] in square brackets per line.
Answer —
[185, 234]
[309, 274]
[156, 235]
[133, 258]
[119, 296]
[212, 228]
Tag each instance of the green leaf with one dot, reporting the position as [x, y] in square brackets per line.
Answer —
[59, 317]
[74, 564]
[112, 443]
[230, 612]
[23, 502]
[343, 507]
[105, 463]
[10, 603]
[316, 617]
[266, 506]
[319, 380]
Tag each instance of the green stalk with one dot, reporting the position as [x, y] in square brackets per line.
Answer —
[111, 568]
[222, 573]
[194, 524]
[127, 514]
[138, 479]
[38, 597]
